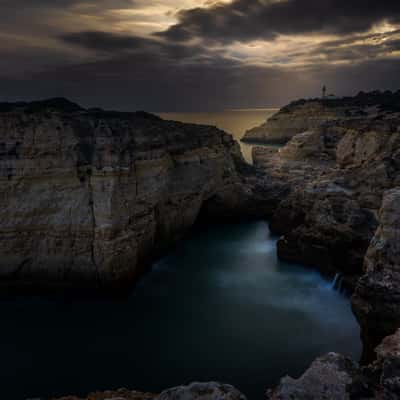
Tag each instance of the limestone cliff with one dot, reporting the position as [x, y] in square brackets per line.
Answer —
[333, 179]
[304, 115]
[376, 301]
[291, 120]
[88, 196]
[327, 186]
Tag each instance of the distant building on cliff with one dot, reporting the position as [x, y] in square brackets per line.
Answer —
[327, 96]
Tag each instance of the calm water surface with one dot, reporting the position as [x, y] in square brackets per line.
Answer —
[235, 122]
[218, 307]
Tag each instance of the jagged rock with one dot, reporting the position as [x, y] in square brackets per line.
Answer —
[327, 186]
[202, 391]
[89, 197]
[327, 378]
[336, 377]
[380, 380]
[324, 226]
[376, 301]
[193, 391]
[121, 394]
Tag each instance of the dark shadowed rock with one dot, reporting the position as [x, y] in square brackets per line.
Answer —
[202, 391]
[335, 377]
[193, 391]
[327, 186]
[376, 301]
[90, 197]
[327, 378]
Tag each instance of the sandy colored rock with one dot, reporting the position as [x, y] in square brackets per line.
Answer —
[89, 197]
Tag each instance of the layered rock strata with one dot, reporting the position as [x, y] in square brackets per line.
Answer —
[376, 301]
[328, 185]
[88, 197]
[304, 115]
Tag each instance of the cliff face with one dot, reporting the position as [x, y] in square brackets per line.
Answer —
[334, 178]
[88, 197]
[328, 185]
[304, 115]
[376, 301]
[290, 121]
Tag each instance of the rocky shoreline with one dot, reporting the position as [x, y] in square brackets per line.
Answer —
[341, 182]
[90, 197]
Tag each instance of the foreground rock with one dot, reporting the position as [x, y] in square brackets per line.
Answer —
[327, 378]
[202, 391]
[88, 197]
[336, 377]
[194, 391]
[121, 394]
[376, 301]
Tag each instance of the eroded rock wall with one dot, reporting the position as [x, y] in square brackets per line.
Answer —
[376, 301]
[334, 178]
[88, 197]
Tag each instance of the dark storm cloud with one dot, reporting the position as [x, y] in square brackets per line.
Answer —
[355, 48]
[71, 48]
[134, 82]
[105, 41]
[140, 81]
[244, 20]
[114, 43]
[39, 4]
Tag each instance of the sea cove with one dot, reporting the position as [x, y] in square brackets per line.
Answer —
[220, 306]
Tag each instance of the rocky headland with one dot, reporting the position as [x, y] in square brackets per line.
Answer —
[307, 114]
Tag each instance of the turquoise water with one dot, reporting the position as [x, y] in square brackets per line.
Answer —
[219, 307]
[235, 122]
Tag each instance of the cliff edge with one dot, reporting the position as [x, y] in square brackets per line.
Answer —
[89, 197]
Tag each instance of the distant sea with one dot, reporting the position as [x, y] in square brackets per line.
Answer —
[235, 122]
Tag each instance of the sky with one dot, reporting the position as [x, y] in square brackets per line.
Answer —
[196, 55]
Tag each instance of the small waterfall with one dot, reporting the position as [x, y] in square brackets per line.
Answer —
[337, 283]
